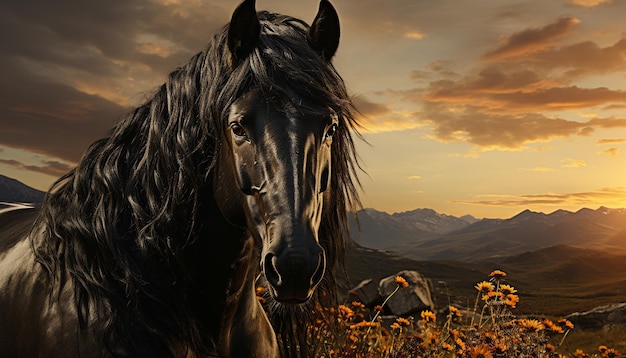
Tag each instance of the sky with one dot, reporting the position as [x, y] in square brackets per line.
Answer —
[481, 107]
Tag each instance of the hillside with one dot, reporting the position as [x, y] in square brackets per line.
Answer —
[12, 190]
[556, 280]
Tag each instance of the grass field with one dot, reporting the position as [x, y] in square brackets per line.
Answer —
[550, 284]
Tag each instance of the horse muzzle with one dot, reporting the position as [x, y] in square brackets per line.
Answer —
[294, 273]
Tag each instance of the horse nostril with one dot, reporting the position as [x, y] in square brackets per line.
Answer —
[271, 273]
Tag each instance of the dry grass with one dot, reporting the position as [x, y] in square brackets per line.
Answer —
[488, 329]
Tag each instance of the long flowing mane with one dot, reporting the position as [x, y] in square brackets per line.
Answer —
[114, 228]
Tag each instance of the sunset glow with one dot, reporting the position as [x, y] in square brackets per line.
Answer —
[476, 107]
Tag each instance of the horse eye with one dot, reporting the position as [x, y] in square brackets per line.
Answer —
[238, 130]
[331, 132]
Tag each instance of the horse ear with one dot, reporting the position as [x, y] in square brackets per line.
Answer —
[244, 30]
[323, 35]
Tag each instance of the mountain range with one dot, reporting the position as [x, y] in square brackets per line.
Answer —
[424, 234]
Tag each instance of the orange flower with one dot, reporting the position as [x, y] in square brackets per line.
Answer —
[550, 347]
[480, 351]
[454, 312]
[506, 289]
[530, 324]
[484, 287]
[400, 281]
[551, 326]
[446, 347]
[497, 274]
[581, 354]
[500, 348]
[345, 310]
[566, 323]
[378, 308]
[358, 305]
[511, 300]
[403, 321]
[428, 316]
[365, 324]
[395, 326]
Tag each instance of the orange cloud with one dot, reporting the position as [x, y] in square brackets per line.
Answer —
[589, 3]
[612, 152]
[597, 197]
[611, 141]
[376, 117]
[531, 40]
[490, 131]
[573, 163]
[537, 169]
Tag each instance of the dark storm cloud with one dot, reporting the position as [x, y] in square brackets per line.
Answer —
[51, 118]
[51, 48]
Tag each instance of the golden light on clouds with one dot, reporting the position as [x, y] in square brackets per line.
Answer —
[573, 163]
[611, 152]
[615, 196]
[537, 169]
[487, 96]
[530, 41]
[589, 3]
[415, 35]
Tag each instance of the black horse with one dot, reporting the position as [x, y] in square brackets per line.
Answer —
[151, 246]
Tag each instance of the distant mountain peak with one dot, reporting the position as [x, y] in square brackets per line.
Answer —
[12, 190]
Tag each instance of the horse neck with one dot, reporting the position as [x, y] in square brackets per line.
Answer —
[223, 270]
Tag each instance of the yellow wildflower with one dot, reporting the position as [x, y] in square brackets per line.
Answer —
[403, 321]
[480, 351]
[511, 300]
[454, 312]
[530, 324]
[506, 289]
[400, 281]
[497, 274]
[485, 287]
[345, 310]
[566, 323]
[428, 316]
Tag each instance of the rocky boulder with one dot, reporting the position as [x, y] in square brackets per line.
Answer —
[415, 298]
[600, 317]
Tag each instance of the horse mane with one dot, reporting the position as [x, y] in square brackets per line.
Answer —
[115, 225]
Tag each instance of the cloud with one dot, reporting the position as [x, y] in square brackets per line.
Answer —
[49, 167]
[612, 152]
[376, 117]
[537, 169]
[597, 197]
[415, 35]
[573, 163]
[588, 3]
[507, 105]
[39, 115]
[415, 177]
[578, 60]
[494, 131]
[611, 141]
[531, 40]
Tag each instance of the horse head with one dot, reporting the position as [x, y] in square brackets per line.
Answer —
[279, 144]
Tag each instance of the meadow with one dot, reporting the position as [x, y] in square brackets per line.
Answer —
[490, 328]
[477, 315]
